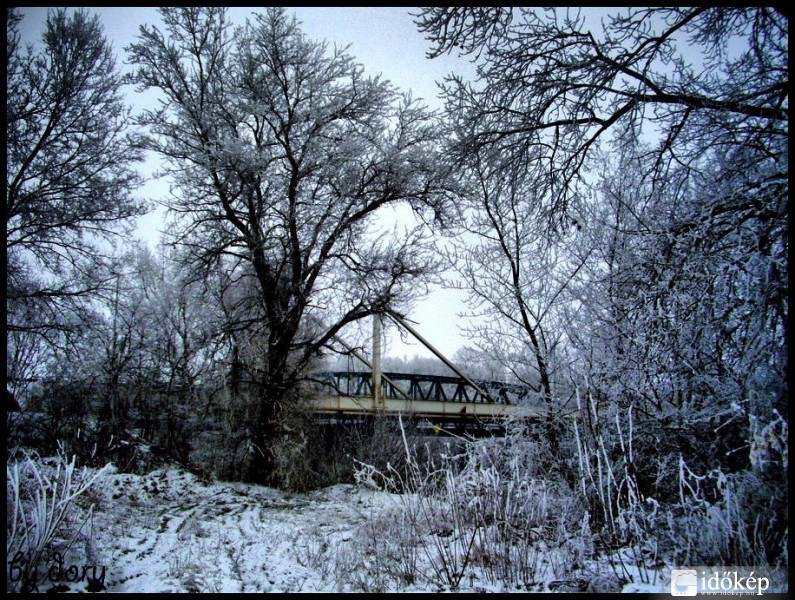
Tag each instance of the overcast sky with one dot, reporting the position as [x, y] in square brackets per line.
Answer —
[386, 42]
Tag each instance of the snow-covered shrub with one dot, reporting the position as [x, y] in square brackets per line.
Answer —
[197, 557]
[607, 471]
[624, 519]
[42, 515]
[291, 469]
[382, 555]
[731, 519]
[311, 549]
[705, 514]
[431, 514]
[481, 511]
[769, 452]
[518, 515]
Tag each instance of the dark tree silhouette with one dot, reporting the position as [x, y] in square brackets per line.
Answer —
[69, 176]
[283, 152]
[553, 84]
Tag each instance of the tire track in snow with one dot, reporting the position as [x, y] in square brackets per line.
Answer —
[169, 532]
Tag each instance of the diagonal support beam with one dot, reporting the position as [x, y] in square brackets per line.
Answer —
[366, 362]
[401, 323]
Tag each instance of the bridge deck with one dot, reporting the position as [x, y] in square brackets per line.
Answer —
[420, 408]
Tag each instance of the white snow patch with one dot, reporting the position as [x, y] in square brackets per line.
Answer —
[170, 531]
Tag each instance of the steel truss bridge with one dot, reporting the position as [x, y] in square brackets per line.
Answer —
[430, 396]
[440, 399]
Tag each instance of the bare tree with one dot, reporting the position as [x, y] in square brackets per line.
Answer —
[553, 84]
[156, 344]
[512, 268]
[677, 259]
[517, 274]
[69, 175]
[282, 153]
[709, 83]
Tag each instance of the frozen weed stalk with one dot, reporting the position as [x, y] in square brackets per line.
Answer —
[41, 505]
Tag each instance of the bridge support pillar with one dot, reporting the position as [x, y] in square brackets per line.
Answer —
[378, 399]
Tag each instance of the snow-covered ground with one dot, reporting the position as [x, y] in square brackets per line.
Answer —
[169, 531]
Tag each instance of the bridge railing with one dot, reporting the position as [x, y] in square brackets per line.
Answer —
[437, 388]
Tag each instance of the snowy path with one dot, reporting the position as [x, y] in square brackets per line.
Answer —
[169, 532]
